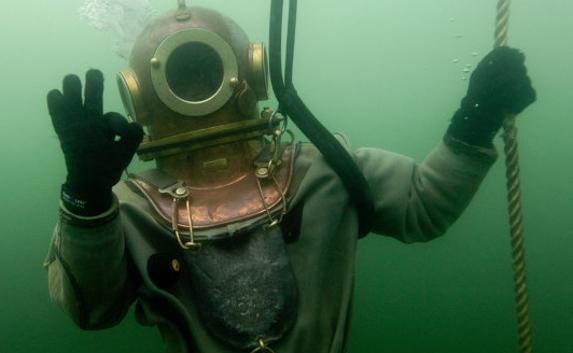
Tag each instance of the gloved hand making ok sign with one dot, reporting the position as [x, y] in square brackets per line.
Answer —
[498, 86]
[97, 147]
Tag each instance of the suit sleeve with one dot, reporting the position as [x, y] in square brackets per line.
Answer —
[418, 202]
[89, 273]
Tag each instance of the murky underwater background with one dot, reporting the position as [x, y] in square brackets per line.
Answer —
[381, 71]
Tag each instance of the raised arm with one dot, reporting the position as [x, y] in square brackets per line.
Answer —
[418, 202]
[88, 268]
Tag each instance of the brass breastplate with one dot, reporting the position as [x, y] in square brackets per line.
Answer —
[219, 205]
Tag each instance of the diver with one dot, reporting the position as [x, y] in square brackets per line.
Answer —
[241, 239]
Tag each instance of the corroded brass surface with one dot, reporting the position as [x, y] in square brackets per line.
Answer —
[232, 202]
[144, 89]
[162, 120]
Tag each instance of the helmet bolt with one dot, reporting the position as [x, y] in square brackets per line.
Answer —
[262, 172]
[234, 82]
[181, 191]
[155, 63]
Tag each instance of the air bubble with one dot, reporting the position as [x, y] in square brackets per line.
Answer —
[125, 19]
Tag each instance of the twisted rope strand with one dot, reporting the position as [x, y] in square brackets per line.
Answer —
[514, 200]
[516, 230]
[502, 23]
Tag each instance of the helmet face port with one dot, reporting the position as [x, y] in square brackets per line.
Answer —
[194, 72]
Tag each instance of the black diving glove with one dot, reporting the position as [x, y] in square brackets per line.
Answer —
[499, 86]
[97, 147]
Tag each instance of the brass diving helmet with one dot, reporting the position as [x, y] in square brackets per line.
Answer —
[194, 81]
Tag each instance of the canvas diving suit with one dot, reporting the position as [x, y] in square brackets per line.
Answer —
[97, 266]
[239, 240]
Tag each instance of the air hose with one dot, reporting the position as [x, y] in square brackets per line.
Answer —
[514, 200]
[292, 105]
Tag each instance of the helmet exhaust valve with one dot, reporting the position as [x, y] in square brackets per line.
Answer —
[181, 4]
[183, 13]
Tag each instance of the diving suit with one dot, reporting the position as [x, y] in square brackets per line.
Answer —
[241, 239]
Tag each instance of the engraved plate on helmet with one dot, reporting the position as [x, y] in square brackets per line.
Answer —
[195, 72]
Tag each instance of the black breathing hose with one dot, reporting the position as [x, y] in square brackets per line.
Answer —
[293, 106]
[289, 60]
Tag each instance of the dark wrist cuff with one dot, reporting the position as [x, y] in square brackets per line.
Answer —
[473, 128]
[86, 204]
[70, 218]
[488, 154]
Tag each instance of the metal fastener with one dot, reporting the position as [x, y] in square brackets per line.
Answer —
[262, 172]
[175, 265]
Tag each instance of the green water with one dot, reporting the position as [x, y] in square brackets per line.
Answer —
[380, 71]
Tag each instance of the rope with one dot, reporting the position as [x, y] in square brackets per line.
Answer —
[514, 200]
